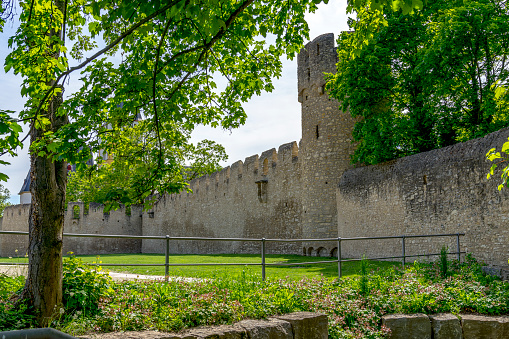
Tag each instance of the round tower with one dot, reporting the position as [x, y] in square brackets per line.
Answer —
[326, 144]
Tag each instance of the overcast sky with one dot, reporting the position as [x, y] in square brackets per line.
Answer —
[273, 118]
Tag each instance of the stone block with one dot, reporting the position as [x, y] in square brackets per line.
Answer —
[307, 325]
[446, 326]
[484, 327]
[214, 332]
[272, 329]
[408, 326]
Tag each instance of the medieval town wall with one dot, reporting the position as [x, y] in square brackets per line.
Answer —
[257, 198]
[311, 191]
[436, 192]
[80, 221]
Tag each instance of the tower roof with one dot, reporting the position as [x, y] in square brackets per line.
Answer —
[26, 184]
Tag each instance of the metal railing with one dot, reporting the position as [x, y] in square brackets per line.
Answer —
[263, 242]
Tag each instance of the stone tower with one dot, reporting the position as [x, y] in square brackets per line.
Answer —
[325, 147]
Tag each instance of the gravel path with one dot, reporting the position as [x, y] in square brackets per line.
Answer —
[14, 270]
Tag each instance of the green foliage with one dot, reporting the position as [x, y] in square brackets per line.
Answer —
[83, 286]
[172, 57]
[179, 304]
[13, 318]
[9, 135]
[497, 158]
[129, 174]
[364, 279]
[426, 80]
[444, 262]
[4, 199]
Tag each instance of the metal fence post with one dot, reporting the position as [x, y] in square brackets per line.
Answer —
[339, 257]
[458, 243]
[403, 251]
[263, 259]
[167, 259]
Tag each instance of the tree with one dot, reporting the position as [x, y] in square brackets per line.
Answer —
[170, 52]
[121, 177]
[427, 80]
[4, 199]
[498, 158]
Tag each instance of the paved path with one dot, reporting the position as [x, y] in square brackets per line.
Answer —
[22, 270]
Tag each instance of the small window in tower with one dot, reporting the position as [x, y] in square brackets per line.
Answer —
[317, 49]
[309, 74]
[317, 133]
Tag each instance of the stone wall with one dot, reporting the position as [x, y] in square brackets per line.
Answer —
[257, 198]
[77, 220]
[446, 326]
[298, 325]
[15, 218]
[441, 191]
[94, 221]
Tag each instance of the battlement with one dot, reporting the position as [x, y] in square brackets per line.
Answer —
[317, 57]
[255, 167]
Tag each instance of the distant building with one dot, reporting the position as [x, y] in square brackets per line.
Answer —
[25, 197]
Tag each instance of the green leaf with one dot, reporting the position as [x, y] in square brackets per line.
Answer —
[505, 147]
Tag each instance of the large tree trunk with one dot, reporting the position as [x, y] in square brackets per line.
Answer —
[43, 287]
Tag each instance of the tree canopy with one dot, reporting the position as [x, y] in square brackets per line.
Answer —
[426, 80]
[4, 199]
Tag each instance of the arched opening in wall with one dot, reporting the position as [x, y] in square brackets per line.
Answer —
[334, 252]
[265, 167]
[310, 251]
[304, 252]
[321, 252]
[75, 212]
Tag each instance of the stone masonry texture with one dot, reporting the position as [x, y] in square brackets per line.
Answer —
[446, 326]
[436, 192]
[299, 325]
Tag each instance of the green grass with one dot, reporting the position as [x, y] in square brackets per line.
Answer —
[329, 270]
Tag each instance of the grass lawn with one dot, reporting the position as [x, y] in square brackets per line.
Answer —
[328, 270]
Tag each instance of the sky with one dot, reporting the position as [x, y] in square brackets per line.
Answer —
[273, 118]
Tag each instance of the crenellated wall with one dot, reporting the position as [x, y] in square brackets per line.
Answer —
[15, 218]
[260, 197]
[77, 220]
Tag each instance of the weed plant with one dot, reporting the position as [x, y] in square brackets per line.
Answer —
[444, 263]
[354, 309]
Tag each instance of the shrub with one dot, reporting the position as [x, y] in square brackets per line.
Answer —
[83, 286]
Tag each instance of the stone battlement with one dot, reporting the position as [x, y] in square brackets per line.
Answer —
[254, 167]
